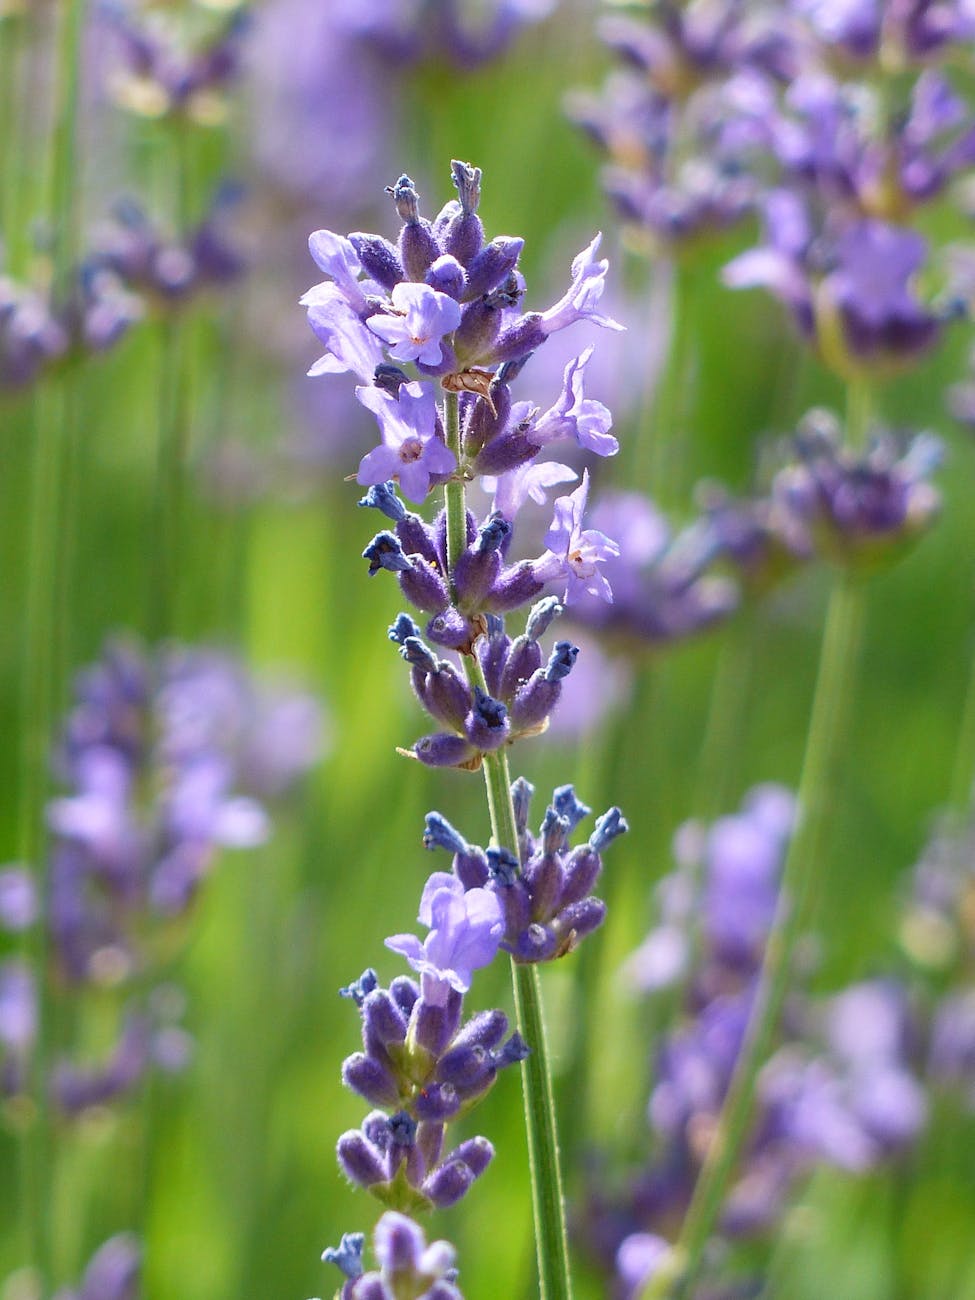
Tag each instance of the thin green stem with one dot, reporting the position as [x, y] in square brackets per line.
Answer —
[824, 743]
[548, 1201]
[962, 789]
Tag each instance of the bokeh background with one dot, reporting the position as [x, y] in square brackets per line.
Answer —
[227, 1167]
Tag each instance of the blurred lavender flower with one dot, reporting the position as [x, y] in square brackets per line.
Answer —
[175, 65]
[31, 337]
[843, 1087]
[662, 588]
[113, 1273]
[861, 508]
[850, 290]
[893, 34]
[164, 761]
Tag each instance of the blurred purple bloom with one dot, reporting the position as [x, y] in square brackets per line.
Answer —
[113, 1273]
[639, 1258]
[18, 899]
[411, 451]
[465, 931]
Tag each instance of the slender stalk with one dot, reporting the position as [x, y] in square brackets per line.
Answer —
[548, 1202]
[962, 789]
[827, 730]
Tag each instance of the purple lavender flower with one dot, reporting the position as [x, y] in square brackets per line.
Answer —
[902, 31]
[574, 552]
[465, 931]
[418, 319]
[413, 450]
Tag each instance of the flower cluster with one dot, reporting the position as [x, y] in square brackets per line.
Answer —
[842, 1088]
[131, 270]
[543, 886]
[175, 65]
[166, 759]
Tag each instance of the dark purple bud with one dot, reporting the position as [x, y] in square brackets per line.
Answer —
[368, 1287]
[483, 423]
[447, 696]
[544, 879]
[575, 922]
[515, 342]
[492, 651]
[476, 1153]
[541, 617]
[451, 629]
[524, 659]
[438, 1103]
[382, 497]
[418, 249]
[465, 234]
[405, 992]
[385, 552]
[429, 1142]
[487, 724]
[444, 750]
[423, 586]
[448, 1184]
[446, 275]
[347, 1255]
[506, 452]
[514, 1050]
[371, 1079]
[534, 702]
[359, 1160]
[534, 943]
[439, 834]
[360, 989]
[521, 797]
[468, 1068]
[486, 1030]
[582, 870]
[566, 804]
[379, 259]
[503, 866]
[478, 567]
[417, 653]
[554, 831]
[417, 538]
[399, 1245]
[562, 661]
[383, 1022]
[406, 198]
[515, 586]
[434, 1026]
[390, 378]
[608, 827]
[492, 266]
[375, 1128]
[475, 335]
[471, 868]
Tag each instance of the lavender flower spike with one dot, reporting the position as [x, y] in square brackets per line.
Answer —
[574, 552]
[407, 1265]
[410, 451]
[465, 933]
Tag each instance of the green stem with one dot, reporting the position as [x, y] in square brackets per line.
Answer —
[827, 731]
[962, 789]
[548, 1202]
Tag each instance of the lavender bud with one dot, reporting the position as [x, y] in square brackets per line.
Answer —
[451, 629]
[484, 424]
[469, 1068]
[429, 1142]
[521, 797]
[581, 873]
[544, 880]
[379, 259]
[514, 1050]
[541, 616]
[434, 1026]
[437, 1102]
[471, 869]
[405, 993]
[383, 1022]
[423, 586]
[503, 866]
[465, 234]
[448, 1184]
[360, 1161]
[554, 831]
[486, 1030]
[385, 552]
[491, 266]
[533, 703]
[418, 249]
[439, 834]
[446, 275]
[524, 659]
[561, 662]
[382, 497]
[477, 1153]
[515, 586]
[492, 651]
[417, 653]
[417, 538]
[371, 1079]
[444, 750]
